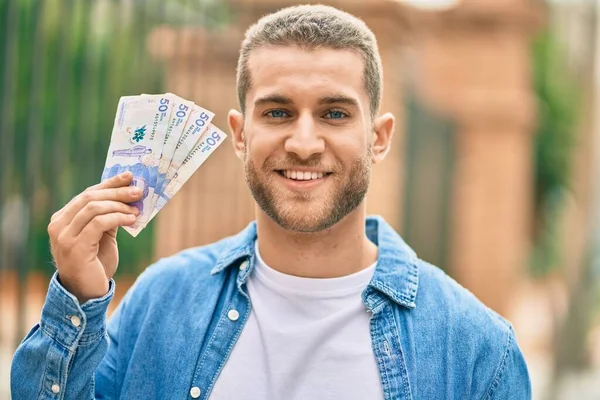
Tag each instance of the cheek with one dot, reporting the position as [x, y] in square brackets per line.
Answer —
[259, 147]
[347, 149]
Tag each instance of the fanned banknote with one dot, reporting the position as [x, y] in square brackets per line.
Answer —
[196, 125]
[209, 141]
[162, 139]
[180, 114]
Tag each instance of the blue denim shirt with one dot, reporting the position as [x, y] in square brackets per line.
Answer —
[170, 336]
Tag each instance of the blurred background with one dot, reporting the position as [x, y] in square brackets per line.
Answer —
[494, 176]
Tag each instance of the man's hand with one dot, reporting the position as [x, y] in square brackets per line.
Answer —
[83, 235]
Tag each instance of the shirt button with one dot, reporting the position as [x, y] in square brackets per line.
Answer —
[233, 315]
[55, 389]
[76, 321]
[195, 392]
[243, 266]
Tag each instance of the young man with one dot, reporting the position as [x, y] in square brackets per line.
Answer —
[305, 303]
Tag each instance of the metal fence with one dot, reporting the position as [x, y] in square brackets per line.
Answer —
[429, 160]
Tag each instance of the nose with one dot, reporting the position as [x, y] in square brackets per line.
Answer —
[305, 139]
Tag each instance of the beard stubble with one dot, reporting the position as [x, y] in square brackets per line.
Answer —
[298, 214]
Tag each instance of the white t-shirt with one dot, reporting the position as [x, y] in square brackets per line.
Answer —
[305, 339]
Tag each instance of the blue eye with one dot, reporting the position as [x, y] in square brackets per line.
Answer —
[336, 114]
[277, 114]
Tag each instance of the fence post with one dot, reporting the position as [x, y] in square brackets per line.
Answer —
[476, 68]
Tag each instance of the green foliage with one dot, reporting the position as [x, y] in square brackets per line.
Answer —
[558, 100]
[210, 14]
[65, 65]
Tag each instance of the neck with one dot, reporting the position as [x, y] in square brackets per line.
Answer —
[338, 251]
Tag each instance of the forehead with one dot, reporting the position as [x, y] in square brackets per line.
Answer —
[295, 71]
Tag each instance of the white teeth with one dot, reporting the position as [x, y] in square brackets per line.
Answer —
[302, 176]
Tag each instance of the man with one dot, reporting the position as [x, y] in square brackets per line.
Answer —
[305, 303]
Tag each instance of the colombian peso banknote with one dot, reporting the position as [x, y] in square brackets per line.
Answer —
[209, 141]
[161, 139]
[179, 117]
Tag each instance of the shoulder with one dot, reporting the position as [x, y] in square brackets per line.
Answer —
[451, 304]
[479, 340]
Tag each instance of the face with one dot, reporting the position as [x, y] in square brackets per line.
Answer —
[307, 139]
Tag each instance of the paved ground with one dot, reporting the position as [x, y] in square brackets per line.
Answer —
[584, 386]
[5, 357]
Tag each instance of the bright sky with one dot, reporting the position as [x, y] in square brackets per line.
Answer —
[431, 4]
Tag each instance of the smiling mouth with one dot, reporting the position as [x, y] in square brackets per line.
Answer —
[302, 175]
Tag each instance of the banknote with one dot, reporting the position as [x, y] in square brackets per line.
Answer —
[162, 139]
[197, 124]
[136, 145]
[209, 141]
[179, 116]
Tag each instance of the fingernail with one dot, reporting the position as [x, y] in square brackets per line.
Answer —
[135, 191]
[125, 175]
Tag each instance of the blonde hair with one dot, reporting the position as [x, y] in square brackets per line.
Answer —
[311, 27]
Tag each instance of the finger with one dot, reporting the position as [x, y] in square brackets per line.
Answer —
[123, 179]
[94, 230]
[123, 194]
[94, 208]
[116, 181]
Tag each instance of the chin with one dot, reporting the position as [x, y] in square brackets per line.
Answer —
[304, 218]
[302, 225]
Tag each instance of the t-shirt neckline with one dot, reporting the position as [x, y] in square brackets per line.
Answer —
[312, 287]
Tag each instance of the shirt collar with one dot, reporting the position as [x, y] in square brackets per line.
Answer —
[397, 272]
[396, 275]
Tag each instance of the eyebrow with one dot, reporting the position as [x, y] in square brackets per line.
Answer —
[339, 99]
[274, 98]
[283, 100]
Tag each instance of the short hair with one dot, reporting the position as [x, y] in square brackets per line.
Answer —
[312, 27]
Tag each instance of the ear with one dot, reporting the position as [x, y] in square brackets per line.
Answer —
[235, 120]
[383, 130]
